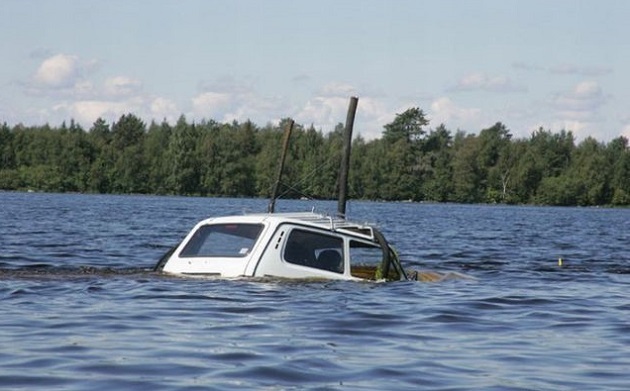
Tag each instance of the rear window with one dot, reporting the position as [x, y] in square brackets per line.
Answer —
[222, 240]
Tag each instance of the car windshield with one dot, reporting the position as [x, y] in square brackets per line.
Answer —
[222, 240]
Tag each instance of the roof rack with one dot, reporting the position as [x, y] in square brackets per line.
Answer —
[334, 223]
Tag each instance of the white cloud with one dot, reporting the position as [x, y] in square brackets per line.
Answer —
[58, 71]
[162, 108]
[576, 126]
[579, 110]
[580, 129]
[240, 104]
[86, 112]
[372, 115]
[330, 107]
[324, 111]
[85, 98]
[444, 110]
[336, 90]
[62, 75]
[121, 86]
[327, 108]
[212, 104]
[67, 79]
[481, 82]
[580, 103]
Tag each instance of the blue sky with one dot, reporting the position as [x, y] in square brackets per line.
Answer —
[468, 64]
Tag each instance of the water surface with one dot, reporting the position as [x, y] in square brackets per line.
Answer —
[81, 308]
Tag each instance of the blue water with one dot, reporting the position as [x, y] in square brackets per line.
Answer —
[80, 308]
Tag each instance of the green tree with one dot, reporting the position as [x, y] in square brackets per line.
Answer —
[592, 172]
[403, 137]
[266, 160]
[518, 174]
[7, 156]
[101, 171]
[228, 152]
[9, 176]
[238, 170]
[618, 153]
[327, 161]
[183, 158]
[495, 162]
[467, 175]
[211, 145]
[356, 180]
[437, 167]
[156, 147]
[317, 160]
[75, 159]
[373, 170]
[407, 126]
[552, 151]
[547, 155]
[561, 190]
[129, 174]
[234, 159]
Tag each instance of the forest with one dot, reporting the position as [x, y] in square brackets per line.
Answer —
[409, 162]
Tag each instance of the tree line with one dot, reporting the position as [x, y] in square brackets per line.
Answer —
[409, 162]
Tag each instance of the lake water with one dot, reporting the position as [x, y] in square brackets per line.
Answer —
[80, 308]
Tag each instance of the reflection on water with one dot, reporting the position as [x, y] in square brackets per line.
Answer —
[81, 308]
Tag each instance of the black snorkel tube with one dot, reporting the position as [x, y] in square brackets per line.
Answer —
[159, 266]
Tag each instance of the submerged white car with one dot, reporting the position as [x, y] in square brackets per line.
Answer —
[284, 245]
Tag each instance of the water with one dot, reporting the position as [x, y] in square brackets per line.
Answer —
[81, 310]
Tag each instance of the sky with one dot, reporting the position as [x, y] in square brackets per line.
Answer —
[559, 65]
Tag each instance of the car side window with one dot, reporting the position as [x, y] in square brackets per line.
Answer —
[316, 250]
[365, 259]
